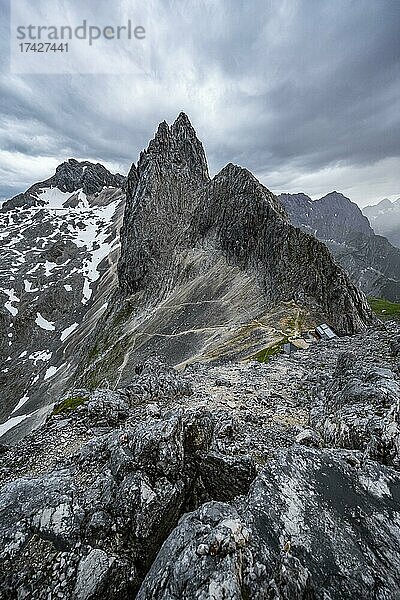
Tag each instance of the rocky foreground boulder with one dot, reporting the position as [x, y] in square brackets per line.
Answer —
[315, 524]
[360, 408]
[232, 481]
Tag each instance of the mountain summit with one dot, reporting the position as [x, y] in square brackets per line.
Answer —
[385, 219]
[58, 240]
[332, 217]
[70, 176]
[208, 270]
[211, 268]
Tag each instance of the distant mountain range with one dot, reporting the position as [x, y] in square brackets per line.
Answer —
[371, 260]
[385, 219]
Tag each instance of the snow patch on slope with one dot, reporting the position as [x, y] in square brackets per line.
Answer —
[12, 298]
[54, 197]
[43, 323]
[66, 332]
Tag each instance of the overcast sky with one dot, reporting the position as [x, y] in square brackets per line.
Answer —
[304, 93]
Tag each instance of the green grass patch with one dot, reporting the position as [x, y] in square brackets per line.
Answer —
[264, 355]
[385, 308]
[69, 404]
[122, 315]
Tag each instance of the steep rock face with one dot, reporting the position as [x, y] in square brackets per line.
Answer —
[174, 208]
[160, 200]
[210, 268]
[370, 260]
[385, 219]
[252, 231]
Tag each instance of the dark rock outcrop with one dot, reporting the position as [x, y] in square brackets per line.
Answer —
[173, 208]
[395, 346]
[360, 409]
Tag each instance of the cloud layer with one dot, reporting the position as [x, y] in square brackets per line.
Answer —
[302, 92]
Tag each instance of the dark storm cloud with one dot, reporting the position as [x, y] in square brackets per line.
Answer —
[297, 91]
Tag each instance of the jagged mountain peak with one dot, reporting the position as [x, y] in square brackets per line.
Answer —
[90, 177]
[247, 185]
[385, 203]
[331, 217]
[206, 265]
[286, 200]
[301, 195]
[208, 269]
[382, 205]
[232, 171]
[58, 240]
[335, 196]
[183, 126]
[176, 147]
[71, 176]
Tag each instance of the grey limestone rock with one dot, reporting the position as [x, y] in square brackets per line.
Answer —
[312, 526]
[174, 207]
[98, 522]
[359, 408]
[210, 269]
[201, 499]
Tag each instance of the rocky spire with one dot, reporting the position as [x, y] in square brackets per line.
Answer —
[176, 147]
[174, 209]
[161, 196]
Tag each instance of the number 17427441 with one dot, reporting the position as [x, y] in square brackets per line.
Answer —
[43, 47]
